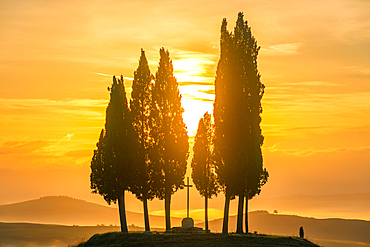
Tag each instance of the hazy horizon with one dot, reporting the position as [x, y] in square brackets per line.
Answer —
[58, 58]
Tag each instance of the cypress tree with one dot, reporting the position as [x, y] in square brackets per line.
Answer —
[227, 137]
[112, 163]
[237, 110]
[248, 49]
[202, 166]
[168, 132]
[140, 103]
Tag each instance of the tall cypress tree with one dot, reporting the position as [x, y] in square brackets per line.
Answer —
[226, 128]
[202, 166]
[237, 110]
[168, 132]
[248, 49]
[141, 98]
[113, 161]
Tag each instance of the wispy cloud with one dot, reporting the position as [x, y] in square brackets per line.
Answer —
[312, 151]
[86, 107]
[48, 129]
[22, 147]
[281, 49]
[36, 153]
[310, 83]
[193, 66]
[298, 113]
[358, 70]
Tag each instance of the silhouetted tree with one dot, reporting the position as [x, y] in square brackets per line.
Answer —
[248, 49]
[237, 110]
[224, 116]
[168, 132]
[202, 166]
[141, 98]
[112, 163]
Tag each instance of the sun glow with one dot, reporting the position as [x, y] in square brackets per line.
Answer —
[196, 102]
[192, 69]
[195, 74]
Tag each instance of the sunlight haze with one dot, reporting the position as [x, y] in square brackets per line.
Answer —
[57, 59]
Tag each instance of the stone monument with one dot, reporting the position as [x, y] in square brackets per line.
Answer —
[187, 224]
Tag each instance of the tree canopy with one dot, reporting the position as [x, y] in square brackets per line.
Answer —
[168, 131]
[202, 165]
[141, 98]
[237, 109]
[113, 161]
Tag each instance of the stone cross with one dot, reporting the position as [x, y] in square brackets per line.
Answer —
[188, 186]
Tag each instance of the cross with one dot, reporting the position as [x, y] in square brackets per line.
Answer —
[188, 186]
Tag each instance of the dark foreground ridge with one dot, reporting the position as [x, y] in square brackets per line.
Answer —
[194, 240]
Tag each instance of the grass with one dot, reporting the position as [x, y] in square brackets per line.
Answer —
[115, 239]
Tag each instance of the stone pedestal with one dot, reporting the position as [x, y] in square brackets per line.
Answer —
[187, 223]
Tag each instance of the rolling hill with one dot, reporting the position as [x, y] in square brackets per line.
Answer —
[69, 211]
[329, 229]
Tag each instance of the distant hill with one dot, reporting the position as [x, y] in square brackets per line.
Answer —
[330, 229]
[349, 206]
[69, 211]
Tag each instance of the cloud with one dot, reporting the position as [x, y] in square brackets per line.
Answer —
[310, 83]
[193, 83]
[358, 70]
[22, 147]
[41, 153]
[311, 151]
[89, 108]
[299, 113]
[68, 137]
[281, 50]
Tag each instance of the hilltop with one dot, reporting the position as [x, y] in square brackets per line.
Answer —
[183, 240]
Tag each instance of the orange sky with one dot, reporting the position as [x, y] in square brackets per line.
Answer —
[57, 59]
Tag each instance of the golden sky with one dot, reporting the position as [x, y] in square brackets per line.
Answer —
[57, 59]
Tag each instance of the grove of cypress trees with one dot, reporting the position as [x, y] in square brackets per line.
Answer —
[140, 103]
[169, 151]
[113, 161]
[203, 174]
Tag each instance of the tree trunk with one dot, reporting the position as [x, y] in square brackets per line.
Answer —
[122, 212]
[146, 215]
[225, 225]
[206, 213]
[239, 226]
[246, 215]
[167, 209]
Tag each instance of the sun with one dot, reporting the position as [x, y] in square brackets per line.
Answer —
[195, 86]
[194, 108]
[191, 69]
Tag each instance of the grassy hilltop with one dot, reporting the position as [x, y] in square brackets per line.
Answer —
[194, 240]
